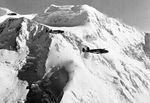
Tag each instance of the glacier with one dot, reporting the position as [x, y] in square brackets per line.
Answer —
[34, 47]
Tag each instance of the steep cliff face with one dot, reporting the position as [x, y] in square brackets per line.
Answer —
[44, 51]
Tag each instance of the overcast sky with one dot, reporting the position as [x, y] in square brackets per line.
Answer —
[133, 12]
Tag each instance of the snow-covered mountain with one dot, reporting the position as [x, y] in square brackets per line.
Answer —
[41, 58]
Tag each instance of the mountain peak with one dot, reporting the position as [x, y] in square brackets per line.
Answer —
[68, 15]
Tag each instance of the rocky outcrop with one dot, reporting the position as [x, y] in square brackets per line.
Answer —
[14, 38]
[147, 44]
[50, 88]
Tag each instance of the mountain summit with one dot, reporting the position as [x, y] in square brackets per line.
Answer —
[46, 58]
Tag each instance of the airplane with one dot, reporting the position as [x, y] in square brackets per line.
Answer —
[12, 14]
[96, 51]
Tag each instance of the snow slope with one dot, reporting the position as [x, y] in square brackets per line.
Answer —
[56, 38]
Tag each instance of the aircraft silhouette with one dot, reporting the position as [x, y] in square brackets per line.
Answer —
[96, 51]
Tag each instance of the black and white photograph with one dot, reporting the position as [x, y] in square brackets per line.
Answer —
[74, 51]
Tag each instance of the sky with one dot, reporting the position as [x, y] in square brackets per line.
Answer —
[133, 12]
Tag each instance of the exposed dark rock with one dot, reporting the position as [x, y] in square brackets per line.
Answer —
[49, 89]
[2, 27]
[9, 30]
[34, 69]
[146, 46]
